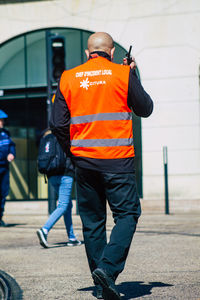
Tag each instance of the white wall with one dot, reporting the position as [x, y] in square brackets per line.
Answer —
[165, 35]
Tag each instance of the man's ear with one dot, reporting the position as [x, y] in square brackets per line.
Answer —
[112, 53]
[87, 53]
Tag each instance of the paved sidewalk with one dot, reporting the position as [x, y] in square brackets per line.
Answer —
[163, 263]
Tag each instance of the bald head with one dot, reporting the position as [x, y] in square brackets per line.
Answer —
[100, 41]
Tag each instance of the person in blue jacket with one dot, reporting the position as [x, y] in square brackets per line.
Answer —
[7, 154]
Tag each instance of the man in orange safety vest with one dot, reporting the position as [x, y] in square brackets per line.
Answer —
[92, 119]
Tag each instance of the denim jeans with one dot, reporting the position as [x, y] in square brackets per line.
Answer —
[63, 186]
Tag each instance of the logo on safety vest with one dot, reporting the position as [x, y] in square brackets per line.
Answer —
[85, 84]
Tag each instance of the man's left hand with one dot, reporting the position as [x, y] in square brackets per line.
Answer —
[133, 64]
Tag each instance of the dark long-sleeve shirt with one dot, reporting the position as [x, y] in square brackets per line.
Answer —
[7, 146]
[138, 100]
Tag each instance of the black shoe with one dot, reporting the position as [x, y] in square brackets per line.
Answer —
[107, 283]
[2, 223]
[72, 243]
[42, 238]
[99, 291]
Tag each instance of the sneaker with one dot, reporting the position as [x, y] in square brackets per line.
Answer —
[42, 238]
[107, 283]
[72, 243]
[2, 223]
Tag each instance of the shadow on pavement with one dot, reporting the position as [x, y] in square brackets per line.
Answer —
[63, 244]
[134, 289]
[167, 233]
[13, 224]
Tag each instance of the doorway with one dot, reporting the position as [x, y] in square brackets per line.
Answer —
[26, 121]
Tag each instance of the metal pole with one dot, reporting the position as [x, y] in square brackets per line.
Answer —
[27, 118]
[49, 84]
[77, 210]
[165, 160]
[52, 196]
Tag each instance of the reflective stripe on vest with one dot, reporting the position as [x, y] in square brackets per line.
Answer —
[102, 142]
[102, 117]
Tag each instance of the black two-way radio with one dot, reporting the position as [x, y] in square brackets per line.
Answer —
[128, 56]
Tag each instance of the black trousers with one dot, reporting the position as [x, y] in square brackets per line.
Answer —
[93, 188]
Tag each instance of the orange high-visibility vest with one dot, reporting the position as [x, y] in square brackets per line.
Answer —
[101, 121]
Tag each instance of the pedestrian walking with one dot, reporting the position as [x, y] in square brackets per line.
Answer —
[7, 155]
[53, 162]
[92, 118]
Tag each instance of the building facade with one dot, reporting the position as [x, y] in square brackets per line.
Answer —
[165, 39]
